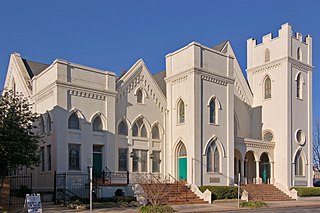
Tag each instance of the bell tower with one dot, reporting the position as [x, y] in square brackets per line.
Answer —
[279, 72]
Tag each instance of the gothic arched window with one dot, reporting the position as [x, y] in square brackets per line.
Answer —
[213, 158]
[299, 86]
[267, 88]
[122, 128]
[73, 121]
[139, 129]
[155, 132]
[139, 96]
[212, 106]
[97, 124]
[267, 56]
[298, 165]
[299, 54]
[181, 111]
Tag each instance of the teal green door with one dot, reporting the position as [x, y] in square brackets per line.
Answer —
[183, 169]
[97, 164]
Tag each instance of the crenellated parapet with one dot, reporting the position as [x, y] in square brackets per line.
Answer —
[293, 46]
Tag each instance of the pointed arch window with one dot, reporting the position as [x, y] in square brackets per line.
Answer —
[267, 88]
[97, 124]
[181, 112]
[182, 151]
[73, 121]
[155, 132]
[213, 158]
[299, 165]
[122, 128]
[139, 96]
[299, 86]
[299, 54]
[213, 116]
[267, 56]
[139, 129]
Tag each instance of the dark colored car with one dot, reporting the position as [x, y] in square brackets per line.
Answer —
[316, 183]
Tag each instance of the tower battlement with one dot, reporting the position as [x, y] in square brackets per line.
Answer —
[292, 45]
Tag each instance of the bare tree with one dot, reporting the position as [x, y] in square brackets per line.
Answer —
[316, 144]
[156, 190]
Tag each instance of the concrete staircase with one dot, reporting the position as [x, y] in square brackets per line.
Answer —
[265, 192]
[177, 193]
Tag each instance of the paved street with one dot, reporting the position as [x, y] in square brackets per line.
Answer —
[313, 209]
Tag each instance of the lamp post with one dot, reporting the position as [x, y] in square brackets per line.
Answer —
[90, 180]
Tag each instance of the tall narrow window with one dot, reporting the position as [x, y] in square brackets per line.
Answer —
[123, 159]
[41, 125]
[74, 157]
[140, 161]
[139, 96]
[48, 123]
[144, 131]
[267, 88]
[213, 158]
[122, 128]
[73, 122]
[299, 167]
[42, 159]
[267, 56]
[155, 132]
[299, 86]
[156, 161]
[49, 157]
[97, 124]
[212, 106]
[299, 54]
[181, 112]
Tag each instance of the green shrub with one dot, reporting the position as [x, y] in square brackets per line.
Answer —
[221, 192]
[307, 191]
[251, 204]
[155, 209]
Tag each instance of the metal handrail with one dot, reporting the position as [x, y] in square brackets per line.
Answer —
[179, 185]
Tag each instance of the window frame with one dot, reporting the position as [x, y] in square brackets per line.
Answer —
[267, 88]
[213, 158]
[71, 124]
[98, 128]
[181, 112]
[77, 158]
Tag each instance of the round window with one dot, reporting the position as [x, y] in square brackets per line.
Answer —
[300, 137]
[268, 136]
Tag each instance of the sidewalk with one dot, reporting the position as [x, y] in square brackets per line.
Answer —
[216, 206]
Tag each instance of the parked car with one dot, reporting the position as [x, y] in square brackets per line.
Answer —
[316, 183]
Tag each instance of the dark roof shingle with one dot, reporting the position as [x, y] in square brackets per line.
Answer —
[159, 77]
[33, 67]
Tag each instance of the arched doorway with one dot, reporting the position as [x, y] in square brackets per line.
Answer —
[250, 167]
[182, 162]
[264, 168]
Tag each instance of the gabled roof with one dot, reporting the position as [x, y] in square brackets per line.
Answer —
[33, 67]
[220, 46]
[159, 78]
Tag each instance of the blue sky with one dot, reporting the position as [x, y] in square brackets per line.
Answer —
[112, 35]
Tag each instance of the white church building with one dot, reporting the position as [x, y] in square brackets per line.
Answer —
[200, 120]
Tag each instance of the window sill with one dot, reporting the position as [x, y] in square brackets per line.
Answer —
[181, 124]
[74, 131]
[214, 173]
[266, 99]
[213, 124]
[98, 133]
[141, 104]
[299, 99]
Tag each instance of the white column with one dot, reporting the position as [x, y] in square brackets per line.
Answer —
[257, 172]
[242, 168]
[272, 172]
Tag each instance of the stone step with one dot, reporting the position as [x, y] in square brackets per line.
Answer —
[265, 192]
